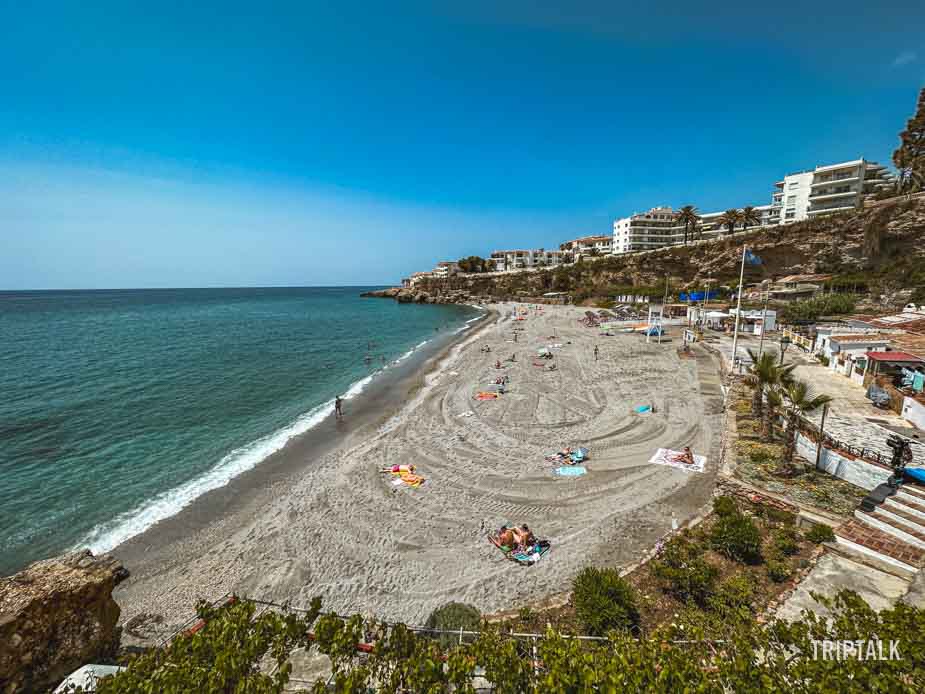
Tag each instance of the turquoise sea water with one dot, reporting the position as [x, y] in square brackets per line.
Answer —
[117, 408]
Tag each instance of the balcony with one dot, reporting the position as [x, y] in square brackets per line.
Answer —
[830, 210]
[835, 179]
[831, 196]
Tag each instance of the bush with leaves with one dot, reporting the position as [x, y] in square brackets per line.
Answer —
[820, 533]
[237, 649]
[724, 506]
[604, 601]
[452, 617]
[734, 596]
[778, 571]
[684, 571]
[785, 541]
[737, 536]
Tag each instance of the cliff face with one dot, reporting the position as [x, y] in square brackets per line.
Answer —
[885, 242]
[55, 616]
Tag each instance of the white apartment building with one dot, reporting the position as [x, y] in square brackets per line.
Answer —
[589, 245]
[660, 227]
[647, 230]
[827, 189]
[522, 259]
[446, 268]
[799, 196]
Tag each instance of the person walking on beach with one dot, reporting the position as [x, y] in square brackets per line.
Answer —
[595, 352]
[338, 408]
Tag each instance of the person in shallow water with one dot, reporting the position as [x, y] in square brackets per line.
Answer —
[338, 407]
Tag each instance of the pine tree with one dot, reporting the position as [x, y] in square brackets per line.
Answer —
[909, 157]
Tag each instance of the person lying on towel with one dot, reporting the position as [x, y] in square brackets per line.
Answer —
[686, 457]
[398, 469]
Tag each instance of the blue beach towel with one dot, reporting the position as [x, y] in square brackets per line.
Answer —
[571, 471]
[643, 408]
[916, 473]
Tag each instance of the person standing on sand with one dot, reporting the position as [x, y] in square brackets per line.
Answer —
[595, 352]
[338, 408]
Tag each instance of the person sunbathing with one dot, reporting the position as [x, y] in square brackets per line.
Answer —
[686, 457]
[523, 536]
[506, 537]
[398, 469]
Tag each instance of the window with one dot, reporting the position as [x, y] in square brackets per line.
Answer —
[793, 184]
[790, 214]
[791, 199]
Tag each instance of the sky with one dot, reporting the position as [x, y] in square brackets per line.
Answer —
[303, 143]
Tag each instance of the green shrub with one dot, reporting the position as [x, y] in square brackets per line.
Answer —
[453, 616]
[724, 506]
[684, 571]
[778, 571]
[820, 533]
[734, 596]
[604, 601]
[777, 516]
[786, 541]
[737, 537]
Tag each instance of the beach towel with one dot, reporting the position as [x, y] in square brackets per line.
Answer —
[571, 471]
[643, 409]
[408, 478]
[916, 473]
[579, 455]
[531, 556]
[486, 396]
[663, 457]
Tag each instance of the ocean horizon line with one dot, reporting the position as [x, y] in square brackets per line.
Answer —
[173, 289]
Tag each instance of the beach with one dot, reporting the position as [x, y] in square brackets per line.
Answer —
[319, 519]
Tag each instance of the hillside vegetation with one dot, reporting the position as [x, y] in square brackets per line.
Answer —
[879, 249]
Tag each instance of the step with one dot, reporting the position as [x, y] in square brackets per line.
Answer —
[907, 507]
[906, 493]
[883, 522]
[887, 547]
[913, 490]
[909, 519]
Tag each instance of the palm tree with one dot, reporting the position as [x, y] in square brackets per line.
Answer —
[688, 216]
[801, 400]
[749, 215]
[729, 219]
[766, 377]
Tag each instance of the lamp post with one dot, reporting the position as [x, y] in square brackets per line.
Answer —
[784, 344]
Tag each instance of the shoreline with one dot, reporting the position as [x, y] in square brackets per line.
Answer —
[317, 518]
[404, 375]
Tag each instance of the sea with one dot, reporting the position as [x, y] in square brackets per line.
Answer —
[119, 408]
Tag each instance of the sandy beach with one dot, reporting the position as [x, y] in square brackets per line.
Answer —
[327, 523]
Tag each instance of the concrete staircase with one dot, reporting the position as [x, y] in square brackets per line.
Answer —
[892, 532]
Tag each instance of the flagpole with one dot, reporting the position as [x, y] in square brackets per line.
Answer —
[764, 322]
[735, 333]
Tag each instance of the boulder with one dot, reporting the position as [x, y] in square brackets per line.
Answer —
[55, 616]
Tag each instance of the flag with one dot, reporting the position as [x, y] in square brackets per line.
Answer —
[751, 258]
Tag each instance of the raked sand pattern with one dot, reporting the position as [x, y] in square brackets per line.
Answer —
[342, 531]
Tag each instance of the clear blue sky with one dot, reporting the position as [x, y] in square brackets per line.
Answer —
[202, 144]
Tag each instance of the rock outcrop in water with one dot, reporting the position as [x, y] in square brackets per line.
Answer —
[55, 616]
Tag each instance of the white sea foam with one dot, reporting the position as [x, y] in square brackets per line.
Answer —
[125, 526]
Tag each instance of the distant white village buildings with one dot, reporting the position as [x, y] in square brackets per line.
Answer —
[798, 196]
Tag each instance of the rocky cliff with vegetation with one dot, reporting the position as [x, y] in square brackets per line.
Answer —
[879, 249]
[55, 616]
